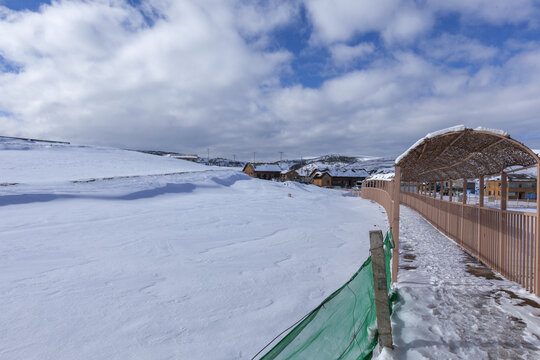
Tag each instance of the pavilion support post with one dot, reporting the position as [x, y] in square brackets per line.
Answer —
[464, 191]
[450, 190]
[504, 191]
[395, 224]
[441, 190]
[480, 225]
[435, 190]
[481, 192]
[502, 228]
[439, 205]
[462, 222]
[537, 236]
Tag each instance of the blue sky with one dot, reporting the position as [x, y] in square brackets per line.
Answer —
[305, 77]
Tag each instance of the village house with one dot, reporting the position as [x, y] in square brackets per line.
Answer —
[289, 175]
[520, 186]
[321, 178]
[339, 178]
[263, 171]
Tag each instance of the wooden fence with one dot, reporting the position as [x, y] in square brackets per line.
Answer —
[501, 239]
[380, 192]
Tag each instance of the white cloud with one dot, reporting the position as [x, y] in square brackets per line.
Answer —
[495, 12]
[389, 106]
[452, 48]
[407, 25]
[340, 20]
[343, 54]
[258, 17]
[399, 21]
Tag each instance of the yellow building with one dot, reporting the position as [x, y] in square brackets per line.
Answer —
[519, 186]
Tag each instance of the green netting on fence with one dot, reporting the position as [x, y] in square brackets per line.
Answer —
[343, 326]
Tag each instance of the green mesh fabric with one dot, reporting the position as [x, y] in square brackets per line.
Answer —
[343, 326]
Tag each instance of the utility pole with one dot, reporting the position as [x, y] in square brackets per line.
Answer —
[208, 154]
[254, 157]
[280, 158]
[234, 157]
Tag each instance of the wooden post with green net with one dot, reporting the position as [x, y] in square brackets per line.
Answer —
[380, 287]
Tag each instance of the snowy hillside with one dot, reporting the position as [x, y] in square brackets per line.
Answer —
[343, 164]
[37, 162]
[202, 263]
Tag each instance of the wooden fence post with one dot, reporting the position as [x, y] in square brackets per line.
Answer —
[479, 218]
[380, 288]
[395, 223]
[502, 229]
[481, 192]
[537, 236]
[504, 191]
[464, 198]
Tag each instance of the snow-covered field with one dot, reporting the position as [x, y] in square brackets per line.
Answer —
[42, 162]
[203, 263]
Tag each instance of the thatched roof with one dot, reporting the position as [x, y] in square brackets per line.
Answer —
[462, 153]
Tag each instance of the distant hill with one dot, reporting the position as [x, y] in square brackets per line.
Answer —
[221, 162]
[343, 163]
[305, 166]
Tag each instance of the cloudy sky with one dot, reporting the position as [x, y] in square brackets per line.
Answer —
[306, 77]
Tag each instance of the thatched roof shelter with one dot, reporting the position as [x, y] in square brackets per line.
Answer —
[463, 153]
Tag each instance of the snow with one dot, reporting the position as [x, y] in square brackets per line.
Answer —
[268, 167]
[384, 177]
[429, 136]
[446, 131]
[347, 173]
[451, 307]
[205, 264]
[492, 131]
[40, 162]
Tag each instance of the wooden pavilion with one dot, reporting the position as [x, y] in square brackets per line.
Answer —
[507, 241]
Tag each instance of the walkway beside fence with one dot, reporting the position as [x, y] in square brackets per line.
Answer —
[424, 176]
[451, 306]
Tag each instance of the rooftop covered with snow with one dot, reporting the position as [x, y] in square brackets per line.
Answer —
[459, 152]
[264, 167]
[383, 177]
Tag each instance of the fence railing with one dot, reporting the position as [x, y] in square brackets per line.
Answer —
[380, 192]
[501, 239]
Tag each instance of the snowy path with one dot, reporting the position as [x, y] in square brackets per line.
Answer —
[452, 307]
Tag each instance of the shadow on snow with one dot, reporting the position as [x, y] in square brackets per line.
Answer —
[169, 188]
